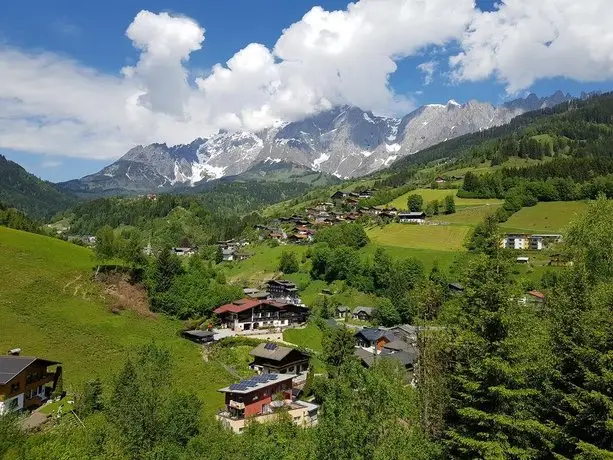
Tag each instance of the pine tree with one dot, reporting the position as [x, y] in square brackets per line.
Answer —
[497, 361]
[582, 338]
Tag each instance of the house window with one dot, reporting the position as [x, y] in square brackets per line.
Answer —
[15, 387]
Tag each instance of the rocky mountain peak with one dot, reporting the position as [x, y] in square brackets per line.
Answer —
[344, 141]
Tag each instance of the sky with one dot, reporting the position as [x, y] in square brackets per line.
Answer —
[83, 82]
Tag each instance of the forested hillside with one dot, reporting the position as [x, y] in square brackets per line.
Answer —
[578, 129]
[37, 198]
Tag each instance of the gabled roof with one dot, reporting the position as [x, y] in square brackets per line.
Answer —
[197, 333]
[367, 310]
[342, 308]
[12, 366]
[256, 383]
[397, 345]
[365, 356]
[406, 358]
[412, 214]
[372, 334]
[537, 294]
[247, 304]
[271, 351]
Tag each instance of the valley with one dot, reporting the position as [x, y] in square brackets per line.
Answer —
[278, 294]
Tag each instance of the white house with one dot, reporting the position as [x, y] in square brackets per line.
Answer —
[412, 218]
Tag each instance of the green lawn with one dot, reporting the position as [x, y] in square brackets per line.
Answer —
[434, 237]
[471, 215]
[308, 337]
[263, 265]
[50, 308]
[427, 256]
[440, 194]
[544, 217]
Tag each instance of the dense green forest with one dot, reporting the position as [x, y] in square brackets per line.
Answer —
[13, 218]
[224, 212]
[578, 129]
[37, 198]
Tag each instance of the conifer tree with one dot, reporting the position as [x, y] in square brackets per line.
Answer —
[495, 362]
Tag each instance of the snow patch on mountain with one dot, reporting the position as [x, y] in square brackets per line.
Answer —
[343, 141]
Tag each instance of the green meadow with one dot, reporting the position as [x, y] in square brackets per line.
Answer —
[51, 308]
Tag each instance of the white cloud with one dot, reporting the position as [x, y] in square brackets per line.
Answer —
[51, 104]
[50, 163]
[428, 69]
[526, 40]
[166, 43]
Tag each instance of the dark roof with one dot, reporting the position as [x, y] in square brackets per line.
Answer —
[406, 358]
[271, 351]
[372, 334]
[412, 214]
[456, 286]
[368, 310]
[365, 356]
[199, 334]
[397, 345]
[11, 366]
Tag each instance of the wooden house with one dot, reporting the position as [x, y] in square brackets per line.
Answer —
[276, 359]
[26, 381]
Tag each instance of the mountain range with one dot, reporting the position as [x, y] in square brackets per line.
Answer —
[343, 142]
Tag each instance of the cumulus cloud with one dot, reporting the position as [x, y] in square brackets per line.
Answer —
[526, 40]
[428, 69]
[165, 42]
[51, 104]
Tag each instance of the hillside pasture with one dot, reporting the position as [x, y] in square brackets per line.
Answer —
[433, 237]
[440, 194]
[549, 217]
[470, 215]
[51, 308]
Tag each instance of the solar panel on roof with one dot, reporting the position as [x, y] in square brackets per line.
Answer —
[234, 386]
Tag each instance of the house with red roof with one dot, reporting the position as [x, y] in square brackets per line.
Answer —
[248, 314]
[534, 297]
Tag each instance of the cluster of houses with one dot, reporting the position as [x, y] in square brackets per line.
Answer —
[26, 382]
[281, 372]
[278, 306]
[276, 387]
[233, 250]
[523, 241]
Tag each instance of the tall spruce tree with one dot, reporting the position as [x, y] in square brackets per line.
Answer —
[496, 365]
[582, 339]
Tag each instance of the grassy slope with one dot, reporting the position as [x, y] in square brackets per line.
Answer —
[544, 217]
[440, 194]
[45, 314]
[434, 237]
[470, 215]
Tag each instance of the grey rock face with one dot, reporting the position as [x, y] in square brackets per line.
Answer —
[344, 142]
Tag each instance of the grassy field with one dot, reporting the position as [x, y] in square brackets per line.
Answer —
[433, 237]
[307, 337]
[440, 194]
[471, 215]
[50, 308]
[544, 217]
[263, 265]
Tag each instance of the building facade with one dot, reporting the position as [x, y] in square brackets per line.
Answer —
[270, 358]
[283, 290]
[249, 314]
[26, 382]
[262, 398]
[412, 218]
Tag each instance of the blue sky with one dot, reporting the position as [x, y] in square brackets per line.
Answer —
[92, 36]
